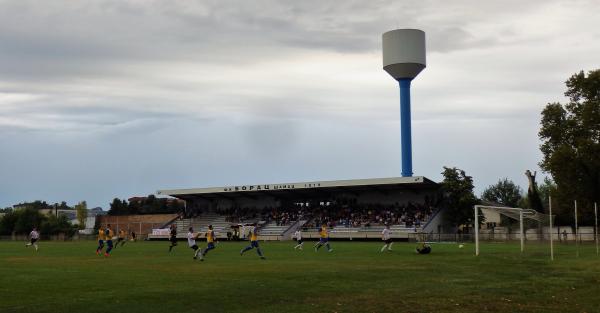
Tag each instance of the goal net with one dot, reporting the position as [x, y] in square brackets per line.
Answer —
[493, 213]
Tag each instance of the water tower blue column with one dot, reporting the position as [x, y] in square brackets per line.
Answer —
[405, 128]
[404, 58]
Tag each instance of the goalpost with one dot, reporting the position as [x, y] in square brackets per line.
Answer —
[515, 214]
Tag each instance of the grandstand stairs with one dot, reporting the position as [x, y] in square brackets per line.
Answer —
[434, 222]
[292, 229]
[272, 230]
[200, 224]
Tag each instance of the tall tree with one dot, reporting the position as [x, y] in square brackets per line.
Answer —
[82, 212]
[459, 198]
[533, 196]
[7, 222]
[546, 190]
[27, 219]
[570, 135]
[504, 192]
[118, 207]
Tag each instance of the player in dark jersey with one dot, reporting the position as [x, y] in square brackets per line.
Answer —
[121, 238]
[173, 237]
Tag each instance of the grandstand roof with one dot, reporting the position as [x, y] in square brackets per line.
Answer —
[306, 188]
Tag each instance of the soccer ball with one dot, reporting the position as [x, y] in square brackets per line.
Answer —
[461, 246]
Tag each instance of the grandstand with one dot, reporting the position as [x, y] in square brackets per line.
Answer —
[200, 224]
[354, 209]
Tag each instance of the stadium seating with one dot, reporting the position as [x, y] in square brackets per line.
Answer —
[272, 229]
[365, 221]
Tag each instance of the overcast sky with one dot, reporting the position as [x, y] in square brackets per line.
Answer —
[104, 99]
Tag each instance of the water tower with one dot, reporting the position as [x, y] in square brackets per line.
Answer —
[404, 59]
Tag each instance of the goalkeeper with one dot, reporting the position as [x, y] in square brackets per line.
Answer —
[423, 248]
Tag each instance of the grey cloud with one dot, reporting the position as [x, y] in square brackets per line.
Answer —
[50, 114]
[72, 40]
[117, 98]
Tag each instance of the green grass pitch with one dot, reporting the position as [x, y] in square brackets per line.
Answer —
[143, 277]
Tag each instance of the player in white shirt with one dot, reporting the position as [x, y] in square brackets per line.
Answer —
[191, 238]
[298, 236]
[387, 238]
[33, 238]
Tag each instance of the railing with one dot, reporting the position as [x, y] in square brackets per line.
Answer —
[60, 237]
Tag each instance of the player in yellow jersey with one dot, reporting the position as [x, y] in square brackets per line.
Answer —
[122, 238]
[101, 239]
[210, 242]
[324, 239]
[109, 233]
[253, 243]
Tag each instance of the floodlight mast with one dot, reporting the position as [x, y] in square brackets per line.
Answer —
[404, 58]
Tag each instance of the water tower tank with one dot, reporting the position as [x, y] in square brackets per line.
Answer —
[404, 58]
[404, 52]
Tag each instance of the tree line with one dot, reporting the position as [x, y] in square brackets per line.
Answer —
[570, 145]
[146, 205]
[22, 221]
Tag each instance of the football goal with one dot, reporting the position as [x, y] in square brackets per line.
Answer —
[518, 214]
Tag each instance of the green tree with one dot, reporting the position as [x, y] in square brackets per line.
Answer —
[533, 196]
[27, 219]
[546, 190]
[82, 212]
[118, 207]
[459, 198]
[570, 136]
[504, 192]
[35, 205]
[153, 205]
[23, 220]
[55, 225]
[7, 223]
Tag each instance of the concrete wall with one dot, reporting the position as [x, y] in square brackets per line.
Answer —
[559, 233]
[141, 224]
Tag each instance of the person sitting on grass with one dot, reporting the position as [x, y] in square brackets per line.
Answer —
[423, 248]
